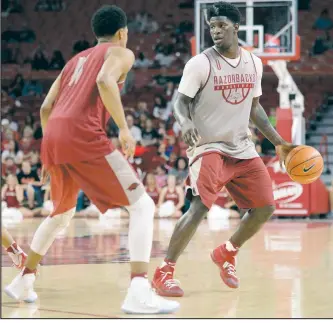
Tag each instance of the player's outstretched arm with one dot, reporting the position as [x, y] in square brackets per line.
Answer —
[259, 117]
[49, 100]
[182, 115]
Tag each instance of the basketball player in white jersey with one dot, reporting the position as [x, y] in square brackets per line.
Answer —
[218, 94]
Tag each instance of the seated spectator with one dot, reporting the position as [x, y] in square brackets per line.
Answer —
[142, 120]
[161, 153]
[150, 25]
[36, 165]
[324, 21]
[39, 61]
[12, 195]
[149, 134]
[12, 124]
[11, 150]
[161, 176]
[8, 166]
[57, 61]
[171, 199]
[7, 132]
[141, 108]
[31, 184]
[135, 131]
[15, 88]
[172, 146]
[320, 46]
[27, 142]
[180, 170]
[152, 188]
[172, 161]
[169, 90]
[141, 20]
[32, 88]
[165, 59]
[132, 23]
[81, 45]
[142, 61]
[159, 107]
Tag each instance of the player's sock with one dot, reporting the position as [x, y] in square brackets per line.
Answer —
[140, 234]
[29, 271]
[142, 275]
[230, 246]
[167, 263]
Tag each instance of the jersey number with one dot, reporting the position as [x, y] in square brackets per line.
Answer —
[78, 70]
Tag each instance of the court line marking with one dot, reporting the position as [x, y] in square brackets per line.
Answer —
[64, 312]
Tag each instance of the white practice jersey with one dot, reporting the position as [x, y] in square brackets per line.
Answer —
[222, 90]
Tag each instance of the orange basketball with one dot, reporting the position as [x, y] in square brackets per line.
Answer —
[304, 164]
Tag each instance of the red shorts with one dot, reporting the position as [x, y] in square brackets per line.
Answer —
[108, 182]
[247, 180]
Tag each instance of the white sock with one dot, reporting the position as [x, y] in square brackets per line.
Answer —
[48, 230]
[230, 247]
[140, 235]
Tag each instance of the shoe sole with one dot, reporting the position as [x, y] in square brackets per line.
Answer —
[162, 293]
[217, 264]
[11, 295]
[126, 311]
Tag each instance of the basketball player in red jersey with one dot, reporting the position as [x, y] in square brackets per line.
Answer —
[218, 94]
[77, 154]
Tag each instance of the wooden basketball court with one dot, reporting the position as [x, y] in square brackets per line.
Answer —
[286, 271]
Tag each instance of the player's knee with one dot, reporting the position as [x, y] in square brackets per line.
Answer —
[144, 206]
[197, 210]
[264, 213]
[62, 220]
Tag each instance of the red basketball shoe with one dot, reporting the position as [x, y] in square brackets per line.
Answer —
[165, 284]
[226, 261]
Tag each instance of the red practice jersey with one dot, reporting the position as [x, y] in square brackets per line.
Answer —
[76, 127]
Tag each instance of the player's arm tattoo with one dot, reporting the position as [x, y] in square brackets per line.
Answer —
[181, 108]
[259, 117]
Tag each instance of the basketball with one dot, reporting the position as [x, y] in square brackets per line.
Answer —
[304, 164]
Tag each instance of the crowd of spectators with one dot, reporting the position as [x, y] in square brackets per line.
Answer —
[324, 26]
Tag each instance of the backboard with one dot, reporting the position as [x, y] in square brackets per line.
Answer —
[268, 28]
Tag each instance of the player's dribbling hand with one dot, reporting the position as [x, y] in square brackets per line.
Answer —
[283, 150]
[127, 142]
[190, 134]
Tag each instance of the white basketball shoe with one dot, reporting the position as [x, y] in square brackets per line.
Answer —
[22, 288]
[142, 299]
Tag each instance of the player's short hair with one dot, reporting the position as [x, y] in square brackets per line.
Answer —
[226, 9]
[107, 20]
